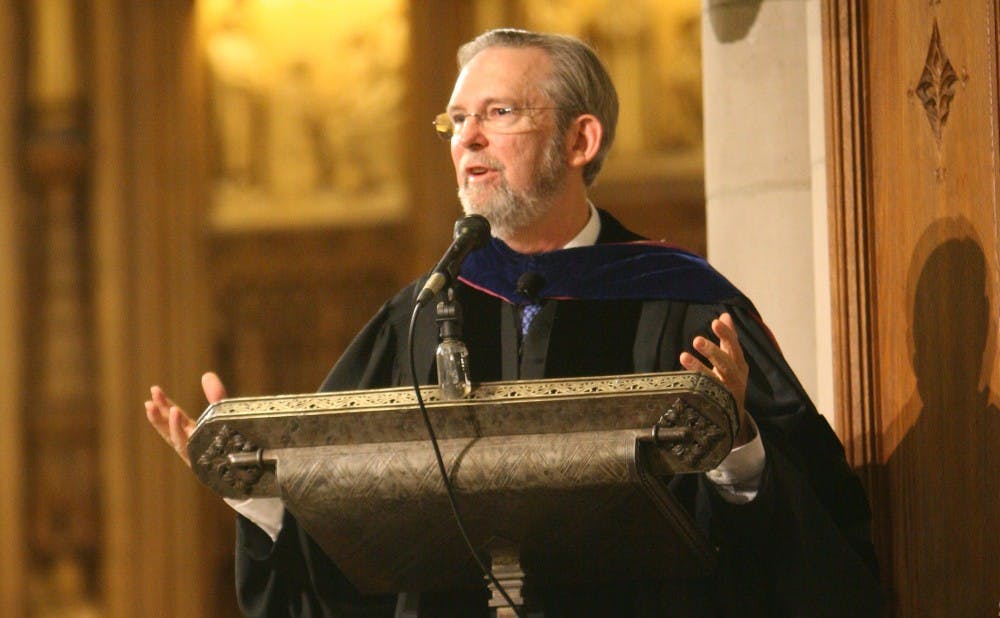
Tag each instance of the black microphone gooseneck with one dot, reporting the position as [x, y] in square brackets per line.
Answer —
[471, 233]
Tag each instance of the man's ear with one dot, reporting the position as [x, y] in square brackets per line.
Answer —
[584, 140]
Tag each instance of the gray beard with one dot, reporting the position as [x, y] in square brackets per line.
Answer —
[508, 210]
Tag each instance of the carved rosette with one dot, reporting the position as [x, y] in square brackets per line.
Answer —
[216, 459]
[936, 87]
[703, 434]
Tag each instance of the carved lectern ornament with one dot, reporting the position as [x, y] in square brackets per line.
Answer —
[936, 87]
[218, 457]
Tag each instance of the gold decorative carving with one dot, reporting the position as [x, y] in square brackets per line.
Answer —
[936, 87]
[305, 111]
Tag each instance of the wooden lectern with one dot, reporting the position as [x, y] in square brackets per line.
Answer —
[559, 481]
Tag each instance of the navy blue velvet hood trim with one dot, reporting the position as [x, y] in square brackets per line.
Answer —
[640, 270]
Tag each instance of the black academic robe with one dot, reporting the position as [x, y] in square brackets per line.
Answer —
[801, 548]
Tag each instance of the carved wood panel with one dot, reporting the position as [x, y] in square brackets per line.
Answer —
[914, 136]
[13, 280]
[287, 305]
[60, 447]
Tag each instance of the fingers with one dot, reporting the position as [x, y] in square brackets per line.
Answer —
[720, 361]
[157, 420]
[727, 364]
[181, 427]
[213, 387]
[725, 329]
[170, 421]
[726, 360]
[691, 363]
[157, 411]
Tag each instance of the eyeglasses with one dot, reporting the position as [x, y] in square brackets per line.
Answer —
[448, 124]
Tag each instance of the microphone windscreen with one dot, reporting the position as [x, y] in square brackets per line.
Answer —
[530, 284]
[476, 227]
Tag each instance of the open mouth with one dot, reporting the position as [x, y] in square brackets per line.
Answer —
[478, 173]
[480, 168]
[477, 170]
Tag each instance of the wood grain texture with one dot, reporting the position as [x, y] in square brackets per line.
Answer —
[917, 298]
[14, 202]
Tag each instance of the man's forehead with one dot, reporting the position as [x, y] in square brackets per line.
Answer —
[501, 74]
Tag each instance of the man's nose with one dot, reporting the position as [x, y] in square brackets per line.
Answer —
[470, 133]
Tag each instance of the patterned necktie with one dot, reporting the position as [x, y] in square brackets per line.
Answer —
[529, 284]
[528, 313]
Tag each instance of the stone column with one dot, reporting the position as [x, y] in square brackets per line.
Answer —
[764, 171]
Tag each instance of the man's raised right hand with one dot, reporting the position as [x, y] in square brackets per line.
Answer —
[172, 422]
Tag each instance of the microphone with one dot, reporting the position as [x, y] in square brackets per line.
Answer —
[471, 233]
[530, 284]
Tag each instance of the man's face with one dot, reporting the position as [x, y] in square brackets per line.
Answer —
[511, 176]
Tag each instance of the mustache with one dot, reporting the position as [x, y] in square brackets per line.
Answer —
[483, 160]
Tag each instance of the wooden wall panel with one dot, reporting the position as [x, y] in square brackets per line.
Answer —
[287, 305]
[437, 28]
[12, 281]
[934, 163]
[151, 306]
[914, 133]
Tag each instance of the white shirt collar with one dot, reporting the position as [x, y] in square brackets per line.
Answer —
[588, 235]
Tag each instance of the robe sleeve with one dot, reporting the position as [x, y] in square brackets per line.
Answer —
[803, 546]
[294, 577]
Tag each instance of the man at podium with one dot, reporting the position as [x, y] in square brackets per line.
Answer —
[563, 289]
